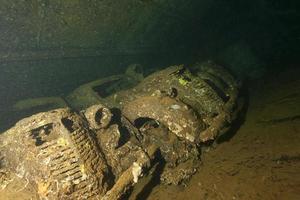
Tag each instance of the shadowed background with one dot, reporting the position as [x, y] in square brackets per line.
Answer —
[50, 47]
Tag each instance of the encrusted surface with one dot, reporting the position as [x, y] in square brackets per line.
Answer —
[101, 152]
[176, 115]
[55, 152]
[206, 88]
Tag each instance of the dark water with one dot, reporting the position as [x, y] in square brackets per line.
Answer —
[50, 48]
[249, 37]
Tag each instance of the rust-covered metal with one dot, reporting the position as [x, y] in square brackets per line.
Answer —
[57, 154]
[177, 116]
[207, 89]
[109, 139]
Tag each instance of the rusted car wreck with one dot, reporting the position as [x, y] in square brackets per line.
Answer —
[102, 143]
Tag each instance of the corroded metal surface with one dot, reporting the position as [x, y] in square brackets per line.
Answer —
[65, 155]
[55, 151]
[115, 136]
[176, 115]
[207, 89]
